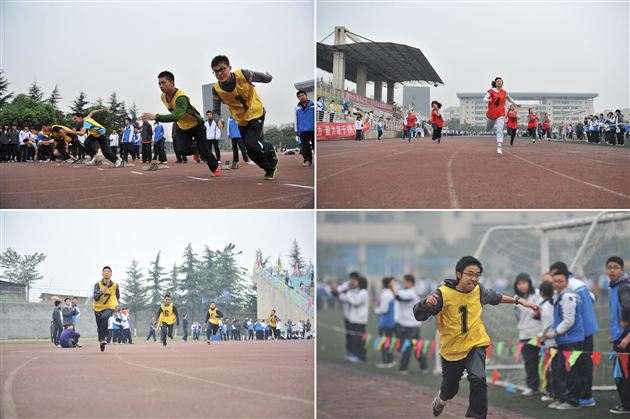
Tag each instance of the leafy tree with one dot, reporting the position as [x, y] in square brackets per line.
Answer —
[25, 111]
[21, 269]
[5, 95]
[171, 284]
[55, 97]
[155, 283]
[295, 257]
[35, 92]
[135, 293]
[80, 104]
[132, 113]
[236, 287]
[190, 285]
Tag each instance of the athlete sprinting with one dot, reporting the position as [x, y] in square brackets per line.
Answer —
[167, 318]
[96, 134]
[496, 98]
[106, 294]
[213, 317]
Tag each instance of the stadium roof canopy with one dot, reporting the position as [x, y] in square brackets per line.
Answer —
[384, 61]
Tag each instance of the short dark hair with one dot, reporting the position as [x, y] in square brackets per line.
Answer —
[106, 267]
[219, 59]
[127, 119]
[363, 283]
[387, 280]
[524, 277]
[208, 111]
[546, 289]
[562, 272]
[57, 302]
[78, 114]
[354, 275]
[467, 261]
[169, 76]
[615, 259]
[410, 278]
[167, 295]
[66, 299]
[301, 91]
[559, 266]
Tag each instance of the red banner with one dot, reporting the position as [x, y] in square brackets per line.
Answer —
[337, 130]
[366, 100]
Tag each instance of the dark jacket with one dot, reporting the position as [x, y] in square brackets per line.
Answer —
[56, 317]
[486, 295]
[146, 134]
[67, 313]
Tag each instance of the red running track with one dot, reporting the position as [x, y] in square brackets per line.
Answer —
[467, 172]
[144, 380]
[61, 185]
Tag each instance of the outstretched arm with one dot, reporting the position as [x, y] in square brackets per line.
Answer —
[91, 114]
[428, 307]
[258, 77]
[180, 108]
[521, 301]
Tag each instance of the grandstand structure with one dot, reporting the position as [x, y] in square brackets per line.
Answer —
[290, 301]
[561, 107]
[360, 60]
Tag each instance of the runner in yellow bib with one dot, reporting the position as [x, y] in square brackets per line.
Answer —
[273, 323]
[457, 307]
[96, 134]
[106, 295]
[213, 318]
[189, 130]
[167, 317]
[237, 91]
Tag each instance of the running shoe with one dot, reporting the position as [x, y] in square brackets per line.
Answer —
[153, 167]
[438, 407]
[619, 410]
[554, 405]
[92, 161]
[403, 372]
[234, 165]
[217, 172]
[527, 392]
[567, 406]
[499, 150]
[547, 398]
[587, 402]
[307, 163]
[103, 343]
[251, 163]
[119, 162]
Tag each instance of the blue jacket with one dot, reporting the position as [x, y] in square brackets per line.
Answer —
[233, 131]
[387, 320]
[127, 134]
[568, 302]
[158, 134]
[305, 117]
[589, 318]
[615, 307]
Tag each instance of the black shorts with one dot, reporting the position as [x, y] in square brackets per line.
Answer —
[532, 132]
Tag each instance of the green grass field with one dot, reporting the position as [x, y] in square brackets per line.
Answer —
[331, 348]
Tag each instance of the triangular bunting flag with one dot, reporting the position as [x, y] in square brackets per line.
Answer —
[517, 354]
[398, 343]
[489, 350]
[425, 348]
[368, 340]
[419, 348]
[495, 376]
[392, 345]
[623, 360]
[574, 356]
[567, 355]
[596, 357]
[364, 337]
[406, 344]
[500, 348]
[433, 343]
[388, 340]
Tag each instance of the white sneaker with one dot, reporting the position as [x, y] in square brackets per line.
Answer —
[251, 163]
[499, 150]
[92, 162]
[547, 398]
[382, 365]
[554, 405]
[119, 162]
[567, 406]
[527, 392]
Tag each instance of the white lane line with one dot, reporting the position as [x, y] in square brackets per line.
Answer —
[196, 178]
[601, 188]
[299, 186]
[452, 195]
[96, 198]
[137, 173]
[8, 405]
[217, 383]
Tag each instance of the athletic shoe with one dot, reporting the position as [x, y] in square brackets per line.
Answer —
[547, 398]
[527, 392]
[78, 346]
[234, 165]
[119, 162]
[554, 405]
[208, 342]
[499, 150]
[438, 407]
[103, 343]
[353, 359]
[383, 365]
[587, 402]
[92, 161]
[58, 346]
[619, 410]
[307, 163]
[153, 167]
[217, 172]
[403, 372]
[219, 161]
[251, 163]
[533, 141]
[567, 406]
[98, 163]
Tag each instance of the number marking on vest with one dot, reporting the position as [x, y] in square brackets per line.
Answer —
[464, 312]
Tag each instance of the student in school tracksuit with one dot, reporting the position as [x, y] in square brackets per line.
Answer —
[305, 125]
[590, 327]
[358, 127]
[529, 326]
[546, 318]
[234, 134]
[568, 331]
[407, 327]
[159, 151]
[127, 142]
[386, 320]
[620, 325]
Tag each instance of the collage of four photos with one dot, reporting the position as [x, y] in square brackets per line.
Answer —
[315, 209]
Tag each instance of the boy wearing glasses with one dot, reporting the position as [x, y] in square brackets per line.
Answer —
[457, 307]
[237, 91]
[190, 124]
[106, 296]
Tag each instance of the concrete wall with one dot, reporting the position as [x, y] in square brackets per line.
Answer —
[270, 297]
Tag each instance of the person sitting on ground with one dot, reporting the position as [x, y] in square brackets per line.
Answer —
[69, 338]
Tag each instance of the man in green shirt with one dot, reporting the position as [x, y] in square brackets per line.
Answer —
[190, 135]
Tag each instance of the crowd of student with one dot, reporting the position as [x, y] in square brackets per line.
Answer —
[63, 324]
[567, 321]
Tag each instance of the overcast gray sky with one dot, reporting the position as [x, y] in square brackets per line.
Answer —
[534, 46]
[101, 47]
[79, 243]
